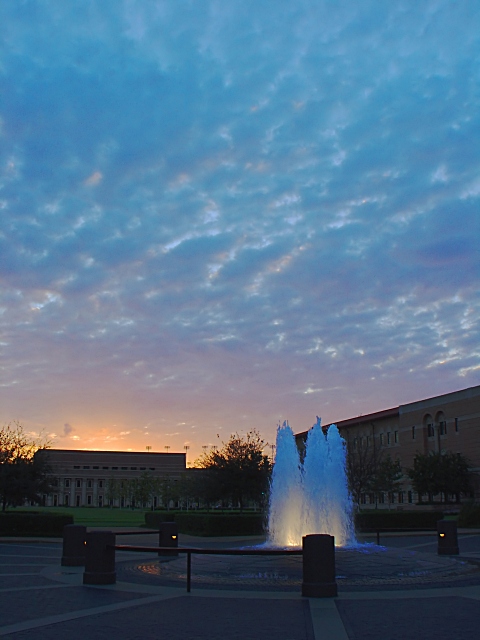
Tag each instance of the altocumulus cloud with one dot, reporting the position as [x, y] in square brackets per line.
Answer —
[232, 213]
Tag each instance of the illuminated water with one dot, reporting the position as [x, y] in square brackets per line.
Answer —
[312, 497]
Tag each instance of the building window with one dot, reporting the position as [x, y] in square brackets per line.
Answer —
[89, 500]
[133, 468]
[395, 437]
[381, 439]
[410, 497]
[86, 466]
[100, 484]
[388, 438]
[66, 500]
[95, 467]
[104, 467]
[79, 484]
[400, 497]
[124, 468]
[89, 484]
[443, 428]
[430, 430]
[413, 432]
[67, 483]
[114, 468]
[76, 466]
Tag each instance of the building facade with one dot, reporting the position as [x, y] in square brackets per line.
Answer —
[449, 422]
[101, 478]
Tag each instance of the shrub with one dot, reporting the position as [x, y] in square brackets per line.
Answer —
[33, 524]
[469, 515]
[373, 520]
[154, 518]
[210, 524]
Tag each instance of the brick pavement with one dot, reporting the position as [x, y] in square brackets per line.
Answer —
[42, 600]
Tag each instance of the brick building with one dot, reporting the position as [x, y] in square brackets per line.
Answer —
[85, 478]
[449, 422]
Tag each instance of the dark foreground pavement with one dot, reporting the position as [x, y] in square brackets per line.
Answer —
[41, 600]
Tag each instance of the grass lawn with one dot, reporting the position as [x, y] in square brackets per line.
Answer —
[96, 516]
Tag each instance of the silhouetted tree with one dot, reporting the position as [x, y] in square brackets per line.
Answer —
[442, 473]
[361, 467]
[388, 477]
[23, 474]
[238, 472]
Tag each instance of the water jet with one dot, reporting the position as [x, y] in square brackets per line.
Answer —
[310, 496]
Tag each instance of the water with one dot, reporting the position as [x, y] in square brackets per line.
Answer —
[312, 497]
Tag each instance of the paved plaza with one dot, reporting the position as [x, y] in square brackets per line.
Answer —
[401, 589]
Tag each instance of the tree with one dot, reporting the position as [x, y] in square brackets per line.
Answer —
[147, 488]
[442, 473]
[388, 476]
[112, 490]
[23, 475]
[168, 490]
[361, 467]
[237, 473]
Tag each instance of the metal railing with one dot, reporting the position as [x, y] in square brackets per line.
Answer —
[223, 552]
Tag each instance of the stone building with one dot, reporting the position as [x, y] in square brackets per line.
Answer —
[86, 478]
[449, 422]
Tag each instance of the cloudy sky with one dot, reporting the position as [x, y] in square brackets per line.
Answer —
[215, 216]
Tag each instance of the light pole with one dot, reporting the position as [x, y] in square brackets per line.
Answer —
[186, 447]
[167, 447]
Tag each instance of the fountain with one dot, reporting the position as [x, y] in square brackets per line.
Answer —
[312, 497]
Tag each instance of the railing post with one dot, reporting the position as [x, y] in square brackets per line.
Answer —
[73, 554]
[189, 571]
[100, 558]
[447, 538]
[319, 566]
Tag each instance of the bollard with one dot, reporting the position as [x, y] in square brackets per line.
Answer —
[73, 554]
[168, 537]
[100, 558]
[319, 566]
[447, 538]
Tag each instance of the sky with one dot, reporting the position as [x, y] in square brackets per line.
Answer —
[216, 216]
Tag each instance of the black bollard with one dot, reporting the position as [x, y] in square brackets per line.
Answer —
[319, 566]
[447, 538]
[100, 558]
[168, 537]
[73, 554]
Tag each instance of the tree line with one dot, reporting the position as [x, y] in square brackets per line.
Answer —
[235, 475]
[372, 470]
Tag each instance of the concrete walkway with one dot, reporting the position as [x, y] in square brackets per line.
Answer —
[41, 600]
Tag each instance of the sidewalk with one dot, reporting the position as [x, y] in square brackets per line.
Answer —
[41, 600]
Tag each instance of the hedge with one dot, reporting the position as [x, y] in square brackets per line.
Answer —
[49, 525]
[469, 515]
[210, 524]
[154, 518]
[373, 520]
